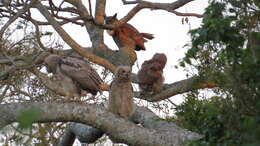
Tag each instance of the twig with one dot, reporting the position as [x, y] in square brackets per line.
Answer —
[90, 9]
[13, 18]
[187, 14]
[125, 2]
[154, 6]
[72, 43]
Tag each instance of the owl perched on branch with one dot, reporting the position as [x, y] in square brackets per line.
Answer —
[74, 75]
[127, 35]
[121, 93]
[150, 76]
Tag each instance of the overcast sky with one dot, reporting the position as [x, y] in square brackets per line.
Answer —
[170, 34]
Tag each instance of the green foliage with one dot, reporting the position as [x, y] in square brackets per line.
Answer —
[226, 50]
[27, 117]
[219, 120]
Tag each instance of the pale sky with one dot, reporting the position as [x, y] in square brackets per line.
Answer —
[170, 34]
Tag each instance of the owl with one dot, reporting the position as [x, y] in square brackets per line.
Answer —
[74, 75]
[127, 35]
[121, 93]
[150, 76]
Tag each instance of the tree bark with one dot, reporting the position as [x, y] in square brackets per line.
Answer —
[122, 132]
[143, 116]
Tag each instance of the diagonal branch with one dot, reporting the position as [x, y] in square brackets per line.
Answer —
[123, 131]
[73, 44]
[158, 6]
[12, 19]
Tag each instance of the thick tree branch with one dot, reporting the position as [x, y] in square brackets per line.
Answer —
[73, 44]
[175, 88]
[83, 132]
[123, 131]
[143, 116]
[100, 17]
[150, 120]
[169, 90]
[68, 138]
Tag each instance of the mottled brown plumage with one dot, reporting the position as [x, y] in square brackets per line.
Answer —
[150, 76]
[74, 74]
[127, 35]
[121, 93]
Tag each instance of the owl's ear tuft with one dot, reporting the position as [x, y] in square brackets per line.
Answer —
[114, 16]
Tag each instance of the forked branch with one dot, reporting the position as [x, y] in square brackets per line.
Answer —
[72, 43]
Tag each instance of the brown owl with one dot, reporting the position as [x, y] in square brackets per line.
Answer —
[127, 35]
[121, 93]
[150, 76]
[74, 74]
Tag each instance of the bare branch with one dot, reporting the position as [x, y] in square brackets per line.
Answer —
[97, 116]
[175, 88]
[187, 14]
[125, 2]
[12, 19]
[123, 131]
[90, 8]
[84, 133]
[68, 138]
[158, 6]
[143, 116]
[73, 44]
[38, 36]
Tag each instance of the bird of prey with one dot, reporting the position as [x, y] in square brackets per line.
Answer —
[121, 93]
[73, 74]
[127, 35]
[150, 76]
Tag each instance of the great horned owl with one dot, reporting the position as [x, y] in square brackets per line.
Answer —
[121, 93]
[74, 74]
[150, 76]
[127, 35]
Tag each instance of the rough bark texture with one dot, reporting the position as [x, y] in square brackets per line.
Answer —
[96, 116]
[84, 133]
[142, 116]
[154, 131]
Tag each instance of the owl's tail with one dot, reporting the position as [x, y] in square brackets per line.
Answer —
[147, 35]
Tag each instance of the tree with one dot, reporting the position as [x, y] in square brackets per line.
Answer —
[26, 96]
[225, 50]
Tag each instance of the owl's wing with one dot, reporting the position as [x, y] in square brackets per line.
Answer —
[134, 34]
[81, 73]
